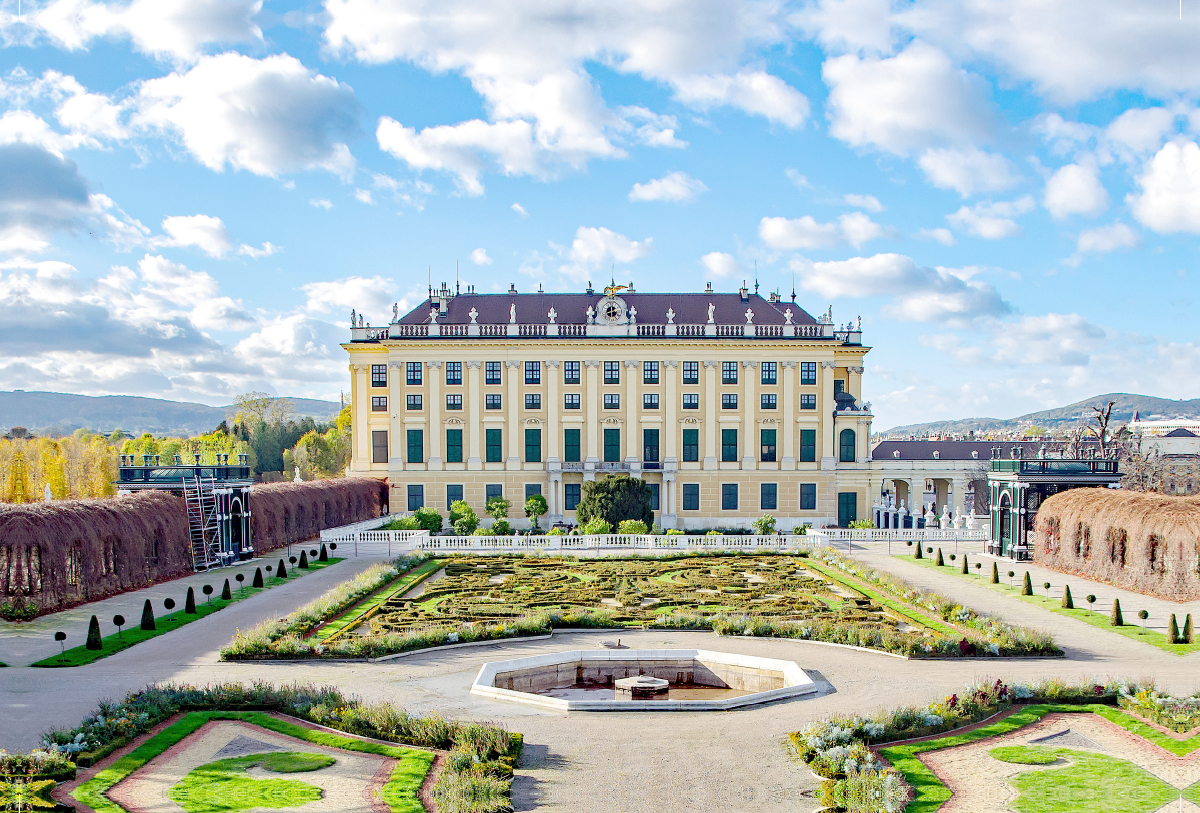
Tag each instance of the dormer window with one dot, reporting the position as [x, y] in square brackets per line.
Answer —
[937, 455]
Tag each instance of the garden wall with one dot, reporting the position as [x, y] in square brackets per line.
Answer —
[1137, 540]
[282, 513]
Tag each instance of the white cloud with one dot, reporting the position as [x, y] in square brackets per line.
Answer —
[519, 209]
[1075, 189]
[755, 92]
[943, 236]
[1104, 239]
[798, 180]
[967, 170]
[658, 129]
[89, 117]
[460, 149]
[594, 248]
[805, 232]
[480, 257]
[868, 202]
[675, 187]
[257, 253]
[321, 203]
[364, 196]
[917, 293]
[266, 116]
[1169, 200]
[720, 264]
[1054, 339]
[992, 221]
[369, 295]
[202, 231]
[1139, 131]
[849, 26]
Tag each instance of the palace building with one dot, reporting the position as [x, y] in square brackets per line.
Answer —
[729, 405]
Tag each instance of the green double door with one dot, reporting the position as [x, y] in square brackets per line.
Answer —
[847, 508]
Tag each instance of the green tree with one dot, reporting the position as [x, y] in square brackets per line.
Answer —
[536, 508]
[615, 498]
[764, 525]
[463, 518]
[428, 519]
[498, 507]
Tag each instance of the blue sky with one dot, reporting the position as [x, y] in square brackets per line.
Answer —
[194, 193]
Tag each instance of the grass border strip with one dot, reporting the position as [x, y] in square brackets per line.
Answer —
[93, 792]
[903, 608]
[353, 617]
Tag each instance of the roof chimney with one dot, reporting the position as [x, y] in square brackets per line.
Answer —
[512, 287]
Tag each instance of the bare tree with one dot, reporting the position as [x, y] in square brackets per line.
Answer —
[1101, 416]
[1075, 438]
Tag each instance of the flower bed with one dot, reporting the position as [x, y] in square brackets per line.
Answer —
[1178, 714]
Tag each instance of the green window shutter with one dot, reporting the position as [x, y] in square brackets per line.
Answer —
[767, 438]
[571, 446]
[454, 446]
[729, 445]
[846, 446]
[808, 445]
[495, 446]
[533, 445]
[416, 446]
[612, 445]
[691, 445]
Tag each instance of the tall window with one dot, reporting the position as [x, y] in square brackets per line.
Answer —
[454, 446]
[691, 400]
[691, 445]
[691, 372]
[533, 372]
[649, 372]
[413, 402]
[729, 496]
[533, 445]
[378, 375]
[650, 445]
[571, 400]
[808, 373]
[612, 445]
[571, 446]
[454, 493]
[729, 446]
[413, 373]
[839, 385]
[379, 446]
[416, 446]
[768, 496]
[729, 400]
[532, 489]
[612, 401]
[493, 491]
[494, 445]
[379, 403]
[767, 441]
[612, 372]
[416, 497]
[570, 372]
[729, 373]
[846, 446]
[491, 401]
[808, 496]
[808, 401]
[454, 403]
[770, 372]
[454, 373]
[808, 445]
[655, 496]
[691, 496]
[533, 400]
[491, 372]
[650, 400]
[571, 496]
[768, 400]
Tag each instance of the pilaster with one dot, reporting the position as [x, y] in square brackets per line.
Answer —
[828, 416]
[748, 411]
[473, 396]
[512, 415]
[787, 421]
[712, 398]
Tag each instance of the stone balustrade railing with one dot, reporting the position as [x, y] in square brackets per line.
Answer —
[396, 330]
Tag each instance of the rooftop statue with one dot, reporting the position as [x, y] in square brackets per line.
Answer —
[670, 316]
[614, 289]
[711, 309]
[474, 314]
[512, 313]
[552, 314]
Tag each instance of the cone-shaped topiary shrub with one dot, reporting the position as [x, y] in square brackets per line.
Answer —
[940, 561]
[995, 573]
[226, 593]
[303, 560]
[918, 554]
[281, 571]
[1115, 619]
[964, 567]
[1187, 629]
[148, 616]
[1066, 602]
[1027, 585]
[258, 580]
[1173, 630]
[324, 557]
[189, 604]
[93, 639]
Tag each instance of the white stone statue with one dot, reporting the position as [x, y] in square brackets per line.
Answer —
[48, 496]
[297, 479]
[670, 316]
[552, 314]
[433, 315]
[711, 309]
[591, 314]
[512, 313]
[632, 315]
[353, 318]
[473, 314]
[395, 311]
[860, 324]
[787, 316]
[749, 316]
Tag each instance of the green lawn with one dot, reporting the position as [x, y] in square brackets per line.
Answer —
[1097, 618]
[400, 793]
[1091, 783]
[225, 787]
[356, 615]
[900, 607]
[134, 634]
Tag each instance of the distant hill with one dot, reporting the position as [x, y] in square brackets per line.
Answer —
[1125, 405]
[42, 411]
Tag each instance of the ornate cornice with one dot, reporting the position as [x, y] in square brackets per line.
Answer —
[829, 365]
[591, 363]
[672, 364]
[748, 364]
[789, 365]
[629, 364]
[857, 370]
[473, 364]
[512, 364]
[555, 363]
[433, 364]
[709, 364]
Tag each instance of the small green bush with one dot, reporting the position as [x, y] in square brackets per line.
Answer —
[428, 519]
[148, 616]
[1066, 599]
[995, 573]
[964, 564]
[483, 532]
[631, 526]
[536, 507]
[940, 561]
[463, 518]
[1115, 619]
[555, 531]
[918, 554]
[258, 582]
[226, 593]
[303, 560]
[1173, 630]
[596, 525]
[1187, 629]
[94, 641]
[498, 507]
[189, 604]
[673, 532]
[500, 527]
[764, 525]
[1027, 585]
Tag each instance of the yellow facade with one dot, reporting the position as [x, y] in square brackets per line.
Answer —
[536, 412]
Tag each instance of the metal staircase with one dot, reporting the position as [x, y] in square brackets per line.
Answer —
[203, 522]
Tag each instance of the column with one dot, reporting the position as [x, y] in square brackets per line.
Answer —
[433, 369]
[916, 502]
[854, 383]
[633, 454]
[862, 441]
[711, 397]
[396, 411]
[670, 435]
[553, 428]
[360, 412]
[828, 410]
[788, 416]
[512, 416]
[960, 498]
[554, 499]
[667, 518]
[473, 395]
[591, 406]
[748, 410]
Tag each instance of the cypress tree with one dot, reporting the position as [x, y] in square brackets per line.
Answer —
[226, 593]
[940, 561]
[1173, 630]
[281, 571]
[93, 638]
[148, 616]
[258, 580]
[303, 560]
[1187, 629]
[995, 573]
[189, 605]
[1027, 585]
[1114, 618]
[964, 567]
[1066, 602]
[324, 557]
[918, 554]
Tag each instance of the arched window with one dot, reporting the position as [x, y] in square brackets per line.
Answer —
[846, 443]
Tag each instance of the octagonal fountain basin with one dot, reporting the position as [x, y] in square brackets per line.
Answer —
[641, 680]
